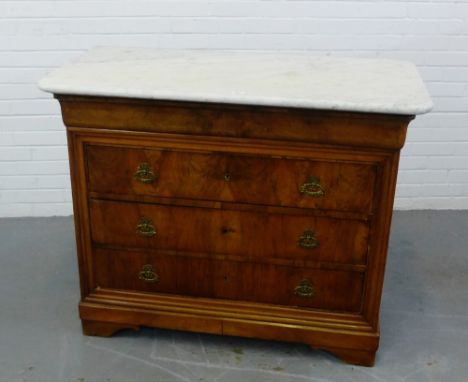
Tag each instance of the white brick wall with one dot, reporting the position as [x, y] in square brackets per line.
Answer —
[37, 35]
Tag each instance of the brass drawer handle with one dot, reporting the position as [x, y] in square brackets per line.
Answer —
[144, 174]
[308, 240]
[312, 187]
[148, 275]
[304, 289]
[145, 227]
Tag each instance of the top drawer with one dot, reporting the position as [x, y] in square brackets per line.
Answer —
[231, 177]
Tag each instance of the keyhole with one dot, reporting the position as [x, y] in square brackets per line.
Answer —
[227, 177]
[225, 230]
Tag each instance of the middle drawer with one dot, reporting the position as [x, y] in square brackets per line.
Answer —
[229, 232]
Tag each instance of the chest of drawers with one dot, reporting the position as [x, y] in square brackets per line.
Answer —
[256, 220]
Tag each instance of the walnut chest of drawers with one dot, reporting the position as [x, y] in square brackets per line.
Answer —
[222, 213]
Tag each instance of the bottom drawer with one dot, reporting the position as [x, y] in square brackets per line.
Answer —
[204, 277]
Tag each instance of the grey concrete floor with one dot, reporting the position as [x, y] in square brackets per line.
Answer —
[424, 319]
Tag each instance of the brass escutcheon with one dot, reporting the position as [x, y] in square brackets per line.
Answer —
[312, 187]
[145, 227]
[144, 174]
[308, 240]
[304, 289]
[147, 274]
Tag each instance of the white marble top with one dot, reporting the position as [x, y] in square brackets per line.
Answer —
[273, 79]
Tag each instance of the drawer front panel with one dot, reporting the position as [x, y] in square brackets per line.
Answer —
[204, 277]
[233, 178]
[232, 232]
